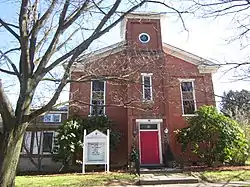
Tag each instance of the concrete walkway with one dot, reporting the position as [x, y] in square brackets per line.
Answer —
[200, 184]
[167, 178]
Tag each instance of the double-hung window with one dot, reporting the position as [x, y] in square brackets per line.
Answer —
[188, 97]
[97, 101]
[147, 86]
[50, 118]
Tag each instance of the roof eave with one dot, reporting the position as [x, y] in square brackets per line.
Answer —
[208, 68]
[204, 65]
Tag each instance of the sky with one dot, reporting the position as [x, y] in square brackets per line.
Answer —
[204, 37]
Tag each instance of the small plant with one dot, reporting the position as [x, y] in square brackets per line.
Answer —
[214, 137]
[134, 156]
[135, 160]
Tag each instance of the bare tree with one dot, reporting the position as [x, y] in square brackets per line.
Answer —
[47, 34]
[238, 12]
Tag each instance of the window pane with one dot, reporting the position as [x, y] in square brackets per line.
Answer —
[148, 126]
[97, 85]
[147, 81]
[47, 141]
[96, 95]
[188, 107]
[186, 86]
[47, 118]
[56, 117]
[147, 94]
[97, 107]
[97, 110]
[187, 96]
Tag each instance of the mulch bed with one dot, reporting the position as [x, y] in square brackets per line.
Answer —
[219, 168]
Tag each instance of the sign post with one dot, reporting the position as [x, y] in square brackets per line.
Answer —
[96, 149]
[83, 150]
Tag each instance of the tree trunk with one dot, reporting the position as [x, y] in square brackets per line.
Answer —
[10, 147]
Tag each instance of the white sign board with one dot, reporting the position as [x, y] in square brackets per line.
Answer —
[95, 149]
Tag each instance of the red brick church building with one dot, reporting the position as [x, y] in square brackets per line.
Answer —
[145, 86]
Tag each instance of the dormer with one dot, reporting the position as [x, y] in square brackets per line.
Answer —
[143, 31]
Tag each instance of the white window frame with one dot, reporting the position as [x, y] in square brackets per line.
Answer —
[52, 118]
[144, 33]
[193, 86]
[143, 86]
[104, 95]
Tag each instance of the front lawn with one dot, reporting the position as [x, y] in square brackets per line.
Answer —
[76, 180]
[224, 176]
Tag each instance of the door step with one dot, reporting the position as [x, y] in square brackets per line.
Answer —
[159, 170]
[170, 178]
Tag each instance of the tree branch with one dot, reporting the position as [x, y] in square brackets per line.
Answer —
[10, 62]
[11, 31]
[36, 28]
[174, 9]
[51, 49]
[8, 72]
[75, 15]
[84, 45]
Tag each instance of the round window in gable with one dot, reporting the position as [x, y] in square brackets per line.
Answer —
[144, 38]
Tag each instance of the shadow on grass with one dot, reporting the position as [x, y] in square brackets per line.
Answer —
[121, 182]
[227, 179]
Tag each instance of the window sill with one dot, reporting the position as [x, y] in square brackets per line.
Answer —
[104, 115]
[148, 101]
[47, 153]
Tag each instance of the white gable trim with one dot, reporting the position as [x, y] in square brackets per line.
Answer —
[184, 55]
[204, 65]
[98, 54]
[109, 49]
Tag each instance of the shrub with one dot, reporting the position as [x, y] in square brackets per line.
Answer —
[214, 137]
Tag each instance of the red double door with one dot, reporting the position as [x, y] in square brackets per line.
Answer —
[149, 148]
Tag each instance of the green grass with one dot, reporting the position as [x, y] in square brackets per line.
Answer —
[75, 180]
[224, 176]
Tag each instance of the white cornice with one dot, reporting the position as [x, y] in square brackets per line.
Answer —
[208, 69]
[98, 54]
[203, 65]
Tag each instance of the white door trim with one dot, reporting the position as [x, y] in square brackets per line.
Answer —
[151, 121]
[143, 121]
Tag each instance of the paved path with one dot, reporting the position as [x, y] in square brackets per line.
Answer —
[201, 184]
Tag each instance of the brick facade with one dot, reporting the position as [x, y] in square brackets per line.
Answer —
[124, 101]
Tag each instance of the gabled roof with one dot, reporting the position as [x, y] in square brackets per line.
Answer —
[204, 65]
